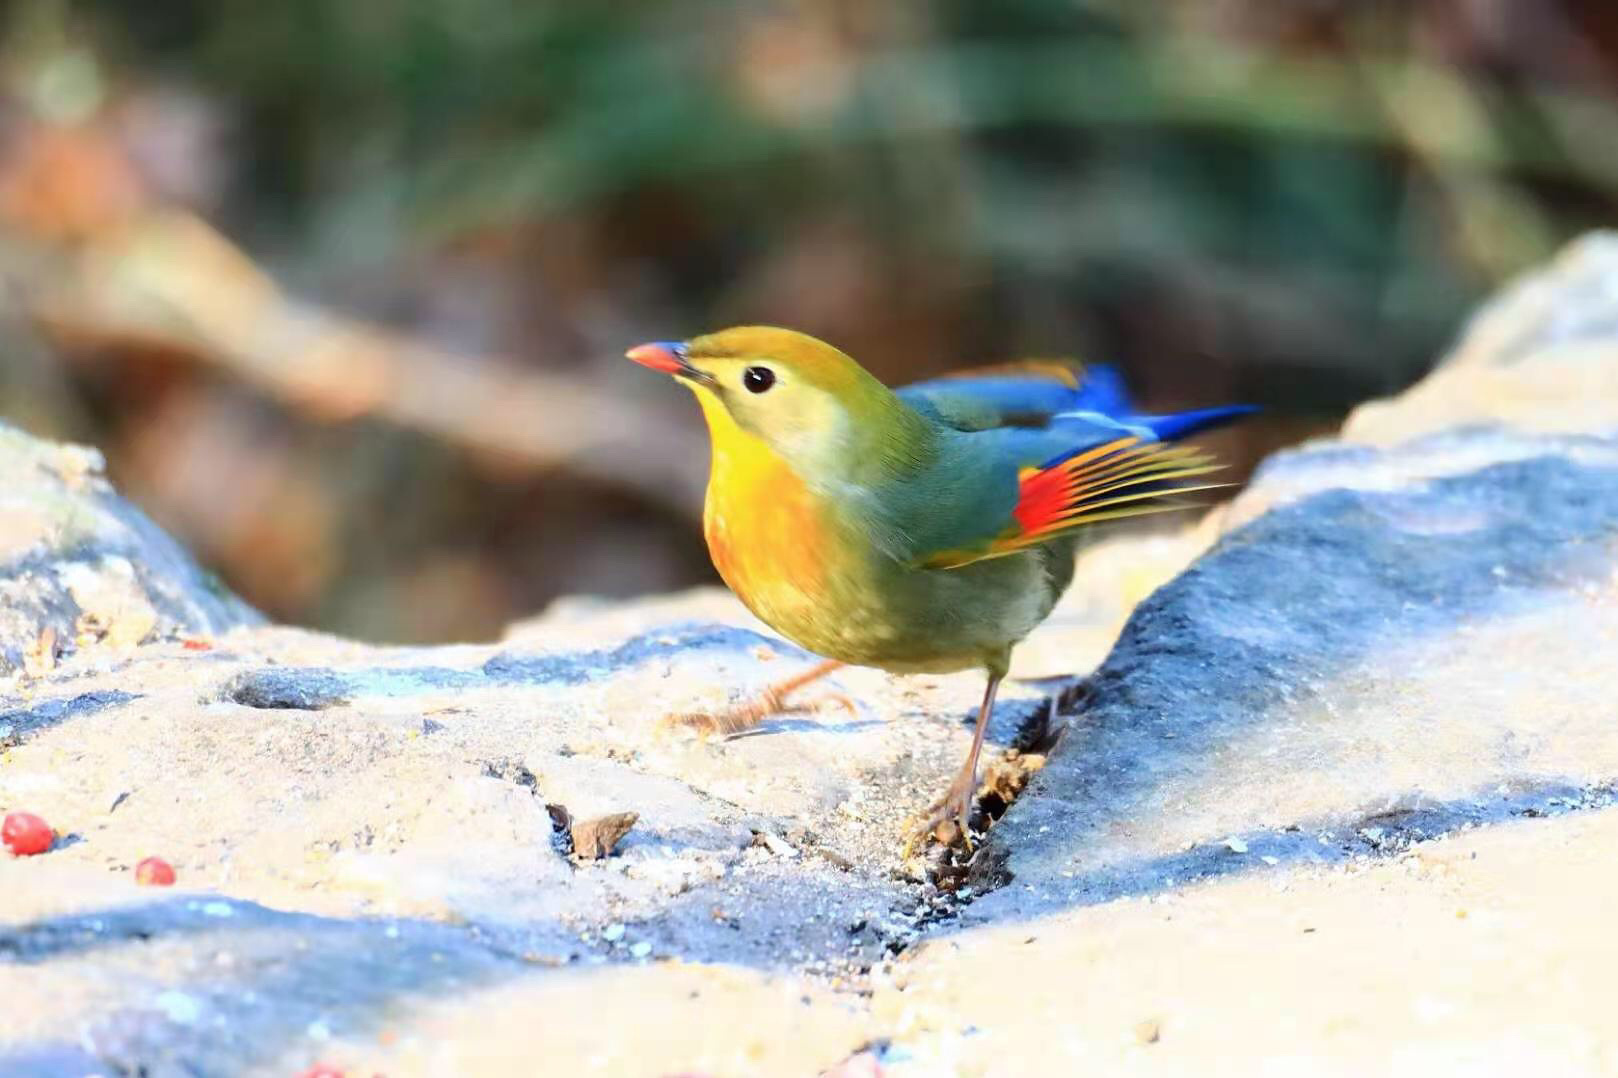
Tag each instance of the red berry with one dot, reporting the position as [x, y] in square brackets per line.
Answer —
[154, 872]
[25, 834]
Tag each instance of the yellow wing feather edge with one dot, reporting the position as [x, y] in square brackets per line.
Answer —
[1100, 484]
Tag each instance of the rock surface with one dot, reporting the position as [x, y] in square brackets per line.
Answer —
[1280, 827]
[397, 821]
[78, 561]
[1425, 642]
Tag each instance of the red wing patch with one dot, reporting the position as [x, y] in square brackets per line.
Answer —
[1123, 478]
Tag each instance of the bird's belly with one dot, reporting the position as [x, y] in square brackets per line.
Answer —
[802, 586]
[809, 585]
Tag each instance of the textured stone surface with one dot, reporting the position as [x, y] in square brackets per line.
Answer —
[1487, 952]
[1283, 827]
[77, 560]
[364, 809]
[1386, 658]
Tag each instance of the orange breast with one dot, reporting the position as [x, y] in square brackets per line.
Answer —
[766, 532]
[766, 538]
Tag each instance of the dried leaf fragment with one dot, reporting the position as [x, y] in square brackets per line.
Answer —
[595, 838]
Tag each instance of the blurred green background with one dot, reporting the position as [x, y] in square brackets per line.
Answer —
[342, 287]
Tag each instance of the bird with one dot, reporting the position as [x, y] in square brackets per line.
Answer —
[925, 529]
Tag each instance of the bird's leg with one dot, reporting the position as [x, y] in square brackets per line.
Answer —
[956, 804]
[748, 713]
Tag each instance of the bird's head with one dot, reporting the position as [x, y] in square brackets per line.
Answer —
[803, 398]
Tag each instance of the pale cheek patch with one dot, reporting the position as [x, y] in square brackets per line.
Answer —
[805, 425]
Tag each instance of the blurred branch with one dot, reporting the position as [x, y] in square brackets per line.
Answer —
[167, 280]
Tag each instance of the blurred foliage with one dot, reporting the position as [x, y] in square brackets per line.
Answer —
[1289, 201]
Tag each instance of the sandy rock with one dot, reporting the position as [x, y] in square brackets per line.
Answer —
[319, 795]
[1341, 791]
[1411, 648]
[80, 566]
[1486, 952]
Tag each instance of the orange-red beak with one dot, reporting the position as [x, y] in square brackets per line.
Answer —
[670, 358]
[660, 356]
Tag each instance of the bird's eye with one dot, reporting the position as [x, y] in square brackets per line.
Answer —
[758, 379]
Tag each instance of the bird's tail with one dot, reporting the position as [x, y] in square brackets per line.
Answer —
[1170, 428]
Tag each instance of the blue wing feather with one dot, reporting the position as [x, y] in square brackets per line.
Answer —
[1007, 424]
[1168, 428]
[1003, 397]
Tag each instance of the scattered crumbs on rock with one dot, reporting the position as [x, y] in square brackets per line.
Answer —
[1148, 1031]
[595, 838]
[836, 859]
[775, 844]
[511, 770]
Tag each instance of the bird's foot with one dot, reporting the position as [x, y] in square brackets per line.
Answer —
[946, 819]
[747, 713]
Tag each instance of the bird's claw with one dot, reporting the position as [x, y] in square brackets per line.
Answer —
[748, 713]
[953, 809]
[724, 722]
